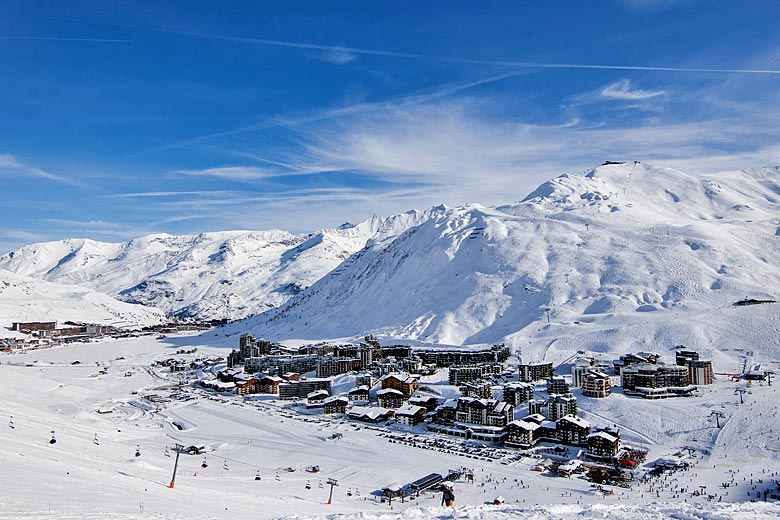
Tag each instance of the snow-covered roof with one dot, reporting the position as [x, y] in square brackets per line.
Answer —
[524, 425]
[334, 399]
[359, 389]
[369, 412]
[317, 393]
[409, 409]
[579, 421]
[603, 435]
[390, 391]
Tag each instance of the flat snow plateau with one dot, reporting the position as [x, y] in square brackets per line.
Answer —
[77, 478]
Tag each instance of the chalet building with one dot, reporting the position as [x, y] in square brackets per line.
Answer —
[335, 404]
[604, 443]
[481, 390]
[315, 399]
[538, 371]
[370, 414]
[557, 385]
[561, 405]
[518, 393]
[654, 381]
[596, 384]
[700, 371]
[572, 429]
[404, 383]
[428, 402]
[410, 415]
[445, 412]
[270, 384]
[521, 434]
[248, 386]
[365, 379]
[358, 394]
[302, 388]
[291, 376]
[486, 412]
[390, 398]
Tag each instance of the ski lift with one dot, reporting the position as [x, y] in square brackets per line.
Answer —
[167, 453]
[349, 492]
[11, 423]
[53, 439]
[277, 476]
[308, 485]
[357, 492]
[137, 450]
[257, 475]
[225, 466]
[95, 441]
[204, 464]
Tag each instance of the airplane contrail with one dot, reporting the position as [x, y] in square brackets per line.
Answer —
[503, 63]
[62, 39]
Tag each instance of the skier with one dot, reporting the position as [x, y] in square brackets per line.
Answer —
[447, 497]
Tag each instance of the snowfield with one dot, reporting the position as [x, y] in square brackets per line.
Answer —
[29, 299]
[244, 437]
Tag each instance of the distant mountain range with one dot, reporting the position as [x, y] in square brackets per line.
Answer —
[231, 274]
[621, 243]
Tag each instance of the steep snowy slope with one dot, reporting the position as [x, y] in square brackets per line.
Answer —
[29, 299]
[229, 274]
[622, 243]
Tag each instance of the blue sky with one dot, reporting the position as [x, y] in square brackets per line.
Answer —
[124, 118]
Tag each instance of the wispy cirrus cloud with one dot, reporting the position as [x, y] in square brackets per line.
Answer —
[11, 166]
[624, 90]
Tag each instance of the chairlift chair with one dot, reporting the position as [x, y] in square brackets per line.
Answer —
[257, 475]
[11, 423]
[204, 464]
[137, 450]
[225, 466]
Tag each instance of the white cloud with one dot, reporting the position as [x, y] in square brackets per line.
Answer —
[624, 90]
[11, 166]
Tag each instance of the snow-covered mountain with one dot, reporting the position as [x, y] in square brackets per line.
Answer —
[28, 299]
[231, 274]
[619, 248]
